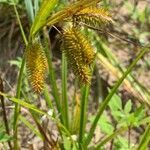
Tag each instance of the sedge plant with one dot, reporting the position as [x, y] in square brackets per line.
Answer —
[79, 56]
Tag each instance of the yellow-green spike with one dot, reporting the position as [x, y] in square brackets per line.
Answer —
[79, 53]
[74, 39]
[92, 16]
[36, 64]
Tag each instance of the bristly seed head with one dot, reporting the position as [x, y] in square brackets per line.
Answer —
[79, 53]
[36, 64]
[93, 16]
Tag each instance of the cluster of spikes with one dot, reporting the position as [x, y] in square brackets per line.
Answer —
[76, 46]
[36, 64]
[92, 16]
[79, 53]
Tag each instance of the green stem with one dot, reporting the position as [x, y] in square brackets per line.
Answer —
[64, 92]
[50, 105]
[52, 77]
[20, 25]
[117, 132]
[47, 98]
[83, 113]
[30, 126]
[108, 98]
[145, 139]
[17, 107]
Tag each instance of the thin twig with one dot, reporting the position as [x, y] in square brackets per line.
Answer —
[129, 137]
[4, 112]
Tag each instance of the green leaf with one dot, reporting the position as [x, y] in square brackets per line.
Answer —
[46, 8]
[115, 103]
[30, 126]
[117, 115]
[144, 120]
[29, 8]
[23, 103]
[128, 107]
[104, 124]
[140, 112]
[16, 62]
[67, 143]
[123, 143]
[4, 137]
[127, 120]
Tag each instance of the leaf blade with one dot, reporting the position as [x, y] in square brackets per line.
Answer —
[43, 13]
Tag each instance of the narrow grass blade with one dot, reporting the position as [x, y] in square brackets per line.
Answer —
[52, 76]
[38, 121]
[107, 139]
[19, 83]
[23, 103]
[75, 118]
[112, 92]
[29, 8]
[36, 6]
[20, 26]
[127, 83]
[111, 64]
[83, 113]
[30, 126]
[46, 8]
[47, 98]
[64, 102]
[145, 139]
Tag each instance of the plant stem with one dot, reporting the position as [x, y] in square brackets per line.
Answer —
[47, 98]
[17, 107]
[20, 25]
[118, 131]
[112, 92]
[50, 105]
[52, 77]
[145, 139]
[65, 107]
[83, 111]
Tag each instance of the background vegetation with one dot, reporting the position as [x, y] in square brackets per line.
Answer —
[47, 102]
